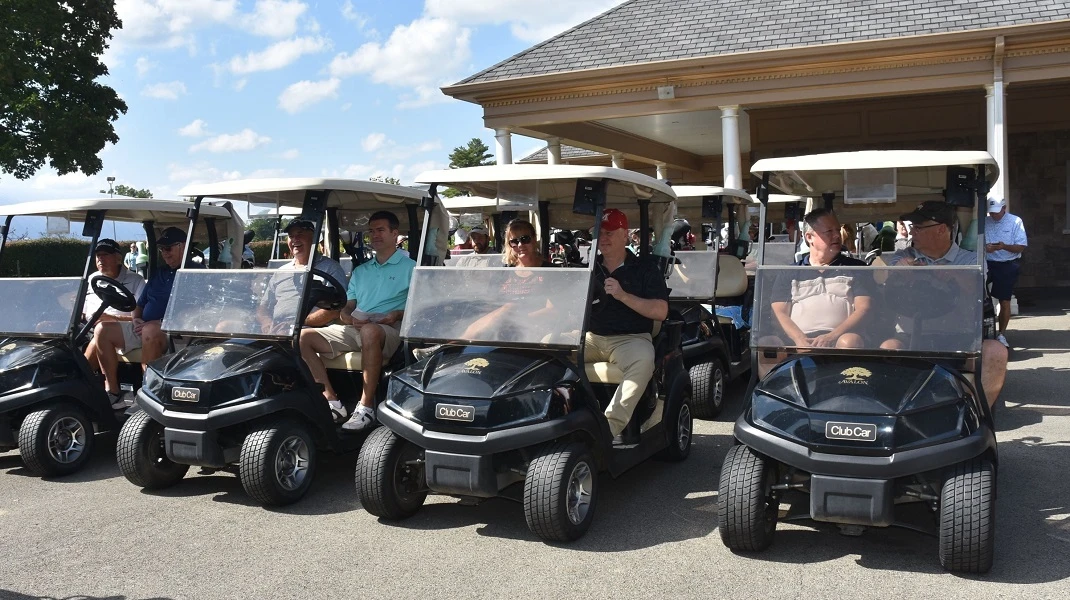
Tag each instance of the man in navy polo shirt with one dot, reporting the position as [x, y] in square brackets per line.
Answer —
[620, 332]
[152, 304]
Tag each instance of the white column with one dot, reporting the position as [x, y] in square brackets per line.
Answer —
[553, 151]
[618, 159]
[503, 143]
[733, 177]
[663, 170]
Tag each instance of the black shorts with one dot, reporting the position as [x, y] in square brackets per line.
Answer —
[1003, 276]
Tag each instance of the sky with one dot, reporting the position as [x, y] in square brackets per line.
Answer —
[229, 89]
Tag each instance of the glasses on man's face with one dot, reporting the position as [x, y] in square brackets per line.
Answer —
[524, 239]
[917, 227]
[169, 247]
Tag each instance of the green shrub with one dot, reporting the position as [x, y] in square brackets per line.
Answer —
[46, 257]
[262, 251]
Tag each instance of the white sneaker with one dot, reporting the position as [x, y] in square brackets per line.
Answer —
[338, 410]
[363, 418]
[1003, 340]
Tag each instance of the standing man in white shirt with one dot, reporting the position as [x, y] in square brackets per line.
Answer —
[1005, 240]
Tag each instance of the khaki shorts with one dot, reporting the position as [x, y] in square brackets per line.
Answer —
[131, 340]
[346, 338]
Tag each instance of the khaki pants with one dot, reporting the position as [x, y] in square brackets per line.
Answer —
[633, 354]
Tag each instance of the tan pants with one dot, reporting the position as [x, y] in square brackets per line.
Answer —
[633, 354]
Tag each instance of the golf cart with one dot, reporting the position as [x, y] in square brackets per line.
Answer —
[51, 402]
[511, 408]
[899, 422]
[715, 347]
[239, 397]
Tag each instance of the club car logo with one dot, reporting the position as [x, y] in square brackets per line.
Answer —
[859, 432]
[181, 394]
[856, 376]
[453, 412]
[476, 365]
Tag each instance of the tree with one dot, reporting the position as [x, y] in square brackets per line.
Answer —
[125, 190]
[385, 179]
[475, 154]
[51, 106]
[263, 228]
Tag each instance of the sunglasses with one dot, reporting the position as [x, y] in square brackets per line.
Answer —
[524, 239]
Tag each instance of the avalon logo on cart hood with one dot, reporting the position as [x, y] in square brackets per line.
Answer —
[475, 365]
[856, 375]
[453, 412]
[859, 432]
[181, 394]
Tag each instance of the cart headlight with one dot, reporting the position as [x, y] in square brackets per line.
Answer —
[780, 417]
[16, 379]
[512, 410]
[152, 383]
[235, 389]
[406, 399]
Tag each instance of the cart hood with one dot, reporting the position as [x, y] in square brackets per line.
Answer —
[478, 372]
[218, 360]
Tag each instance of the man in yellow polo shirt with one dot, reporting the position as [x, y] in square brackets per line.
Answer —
[372, 318]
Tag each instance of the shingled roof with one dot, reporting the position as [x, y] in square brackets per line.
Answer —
[567, 153]
[640, 31]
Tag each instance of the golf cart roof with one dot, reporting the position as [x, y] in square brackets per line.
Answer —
[919, 171]
[697, 192]
[354, 194]
[468, 203]
[555, 183]
[137, 210]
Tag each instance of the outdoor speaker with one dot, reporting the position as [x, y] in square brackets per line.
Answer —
[958, 190]
[590, 193]
[711, 207]
[828, 197]
[94, 220]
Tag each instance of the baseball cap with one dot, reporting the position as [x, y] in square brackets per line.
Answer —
[478, 229]
[107, 245]
[300, 223]
[170, 236]
[931, 210]
[996, 204]
[613, 219]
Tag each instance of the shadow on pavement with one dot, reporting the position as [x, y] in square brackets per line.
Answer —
[101, 465]
[12, 595]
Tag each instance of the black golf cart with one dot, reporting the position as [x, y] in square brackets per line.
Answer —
[51, 402]
[716, 347]
[239, 397]
[507, 406]
[899, 419]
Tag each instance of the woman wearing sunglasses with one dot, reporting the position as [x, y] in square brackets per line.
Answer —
[522, 245]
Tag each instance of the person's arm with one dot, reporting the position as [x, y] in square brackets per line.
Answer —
[651, 308]
[1012, 248]
[319, 317]
[782, 311]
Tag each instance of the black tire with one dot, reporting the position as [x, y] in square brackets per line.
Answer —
[277, 463]
[746, 508]
[968, 518]
[560, 491]
[388, 487]
[708, 382]
[142, 456]
[57, 440]
[680, 427]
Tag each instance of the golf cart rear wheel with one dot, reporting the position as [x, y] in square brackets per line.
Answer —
[680, 427]
[746, 508]
[708, 380]
[560, 490]
[277, 463]
[390, 478]
[142, 456]
[56, 440]
[968, 518]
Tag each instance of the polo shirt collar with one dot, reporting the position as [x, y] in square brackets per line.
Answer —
[394, 259]
[948, 258]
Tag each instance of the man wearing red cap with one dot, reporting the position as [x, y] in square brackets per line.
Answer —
[620, 332]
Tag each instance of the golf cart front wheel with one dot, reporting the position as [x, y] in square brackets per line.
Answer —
[708, 380]
[390, 478]
[746, 508]
[142, 456]
[56, 440]
[560, 491]
[968, 518]
[277, 463]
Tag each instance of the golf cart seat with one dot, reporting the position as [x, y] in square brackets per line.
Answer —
[346, 361]
[731, 277]
[132, 357]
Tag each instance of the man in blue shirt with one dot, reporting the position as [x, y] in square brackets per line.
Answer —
[152, 304]
[372, 318]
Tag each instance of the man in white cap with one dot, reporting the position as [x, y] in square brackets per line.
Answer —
[1005, 240]
[480, 239]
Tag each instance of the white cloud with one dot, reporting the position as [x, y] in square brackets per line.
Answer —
[373, 142]
[199, 173]
[168, 23]
[277, 55]
[246, 139]
[266, 173]
[425, 95]
[301, 95]
[349, 13]
[274, 18]
[529, 21]
[143, 66]
[419, 54]
[165, 91]
[290, 154]
[194, 129]
[347, 106]
[239, 85]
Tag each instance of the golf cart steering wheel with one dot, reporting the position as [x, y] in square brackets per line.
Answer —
[326, 292]
[112, 293]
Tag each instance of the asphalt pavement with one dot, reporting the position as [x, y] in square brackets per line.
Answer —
[94, 535]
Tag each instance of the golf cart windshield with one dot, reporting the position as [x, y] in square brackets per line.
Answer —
[36, 306]
[501, 306]
[910, 309]
[693, 275]
[249, 303]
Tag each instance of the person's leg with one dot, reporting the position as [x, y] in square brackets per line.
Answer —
[109, 340]
[372, 339]
[634, 356]
[91, 352]
[993, 369]
[1004, 315]
[766, 363]
[313, 344]
[153, 342]
[850, 340]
